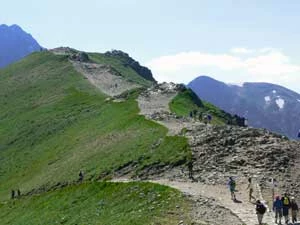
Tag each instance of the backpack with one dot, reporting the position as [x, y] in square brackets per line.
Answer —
[261, 208]
[232, 183]
[286, 201]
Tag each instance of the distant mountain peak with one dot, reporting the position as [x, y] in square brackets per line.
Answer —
[264, 104]
[15, 44]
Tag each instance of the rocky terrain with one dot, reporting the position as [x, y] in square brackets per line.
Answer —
[219, 152]
[104, 77]
[154, 105]
[130, 62]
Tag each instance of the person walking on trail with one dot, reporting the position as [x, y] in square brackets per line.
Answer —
[260, 211]
[190, 168]
[209, 118]
[232, 186]
[250, 187]
[19, 193]
[13, 194]
[277, 208]
[285, 207]
[81, 176]
[295, 209]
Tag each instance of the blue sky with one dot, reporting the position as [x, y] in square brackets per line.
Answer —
[233, 41]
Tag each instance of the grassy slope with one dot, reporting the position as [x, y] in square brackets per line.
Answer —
[54, 123]
[187, 101]
[127, 72]
[99, 203]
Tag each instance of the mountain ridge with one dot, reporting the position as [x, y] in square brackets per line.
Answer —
[265, 105]
[58, 120]
[15, 44]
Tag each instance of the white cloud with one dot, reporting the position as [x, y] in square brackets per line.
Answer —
[192, 59]
[242, 50]
[266, 64]
[272, 63]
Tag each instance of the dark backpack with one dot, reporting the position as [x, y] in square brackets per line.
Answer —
[232, 183]
[261, 208]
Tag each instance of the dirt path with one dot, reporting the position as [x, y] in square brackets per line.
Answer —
[241, 212]
[154, 105]
[155, 101]
[104, 78]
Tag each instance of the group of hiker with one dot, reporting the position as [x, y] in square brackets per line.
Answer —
[15, 194]
[206, 118]
[281, 205]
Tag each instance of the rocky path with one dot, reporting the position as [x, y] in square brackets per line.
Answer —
[243, 208]
[154, 105]
[104, 77]
[156, 99]
[235, 213]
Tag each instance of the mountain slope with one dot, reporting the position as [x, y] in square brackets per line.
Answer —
[99, 203]
[264, 105]
[187, 102]
[15, 44]
[54, 123]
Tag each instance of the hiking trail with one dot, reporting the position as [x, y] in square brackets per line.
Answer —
[154, 105]
[240, 212]
[104, 77]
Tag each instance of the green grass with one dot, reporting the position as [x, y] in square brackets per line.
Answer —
[53, 123]
[99, 203]
[117, 64]
[186, 101]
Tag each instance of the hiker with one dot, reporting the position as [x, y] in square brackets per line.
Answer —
[200, 116]
[285, 208]
[81, 176]
[13, 194]
[299, 133]
[250, 187]
[277, 208]
[232, 186]
[195, 111]
[19, 193]
[260, 211]
[190, 168]
[205, 119]
[209, 118]
[246, 122]
[295, 209]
